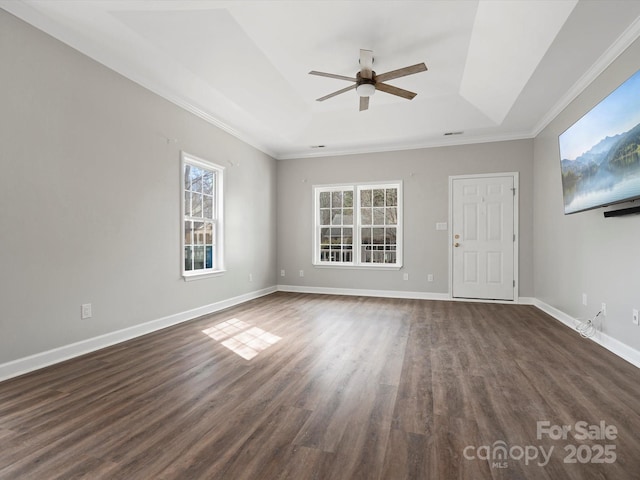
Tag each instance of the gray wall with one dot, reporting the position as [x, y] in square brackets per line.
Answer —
[90, 199]
[585, 252]
[425, 175]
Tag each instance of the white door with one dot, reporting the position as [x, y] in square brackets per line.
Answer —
[483, 237]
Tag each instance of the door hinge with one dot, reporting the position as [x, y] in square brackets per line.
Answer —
[514, 283]
[514, 237]
[514, 191]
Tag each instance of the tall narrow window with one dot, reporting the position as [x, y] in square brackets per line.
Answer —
[358, 225]
[202, 225]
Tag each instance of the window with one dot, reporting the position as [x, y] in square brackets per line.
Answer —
[202, 225]
[358, 225]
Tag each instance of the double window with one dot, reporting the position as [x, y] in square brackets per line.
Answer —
[358, 225]
[202, 225]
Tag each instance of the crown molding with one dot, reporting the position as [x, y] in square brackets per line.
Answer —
[432, 143]
[623, 42]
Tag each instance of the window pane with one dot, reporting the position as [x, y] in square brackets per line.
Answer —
[378, 216]
[365, 216]
[392, 197]
[198, 258]
[187, 176]
[390, 256]
[208, 233]
[325, 199]
[207, 182]
[365, 236]
[378, 236]
[187, 204]
[325, 216]
[196, 205]
[188, 232]
[347, 216]
[208, 206]
[196, 179]
[209, 256]
[336, 216]
[188, 258]
[378, 197]
[198, 233]
[347, 236]
[391, 236]
[325, 237]
[365, 254]
[365, 198]
[336, 199]
[347, 198]
[336, 236]
[391, 216]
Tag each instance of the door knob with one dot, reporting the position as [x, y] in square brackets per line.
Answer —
[456, 244]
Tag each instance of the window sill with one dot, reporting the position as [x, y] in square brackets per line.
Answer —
[358, 267]
[188, 277]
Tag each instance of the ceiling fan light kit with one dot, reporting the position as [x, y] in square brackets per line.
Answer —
[366, 89]
[366, 82]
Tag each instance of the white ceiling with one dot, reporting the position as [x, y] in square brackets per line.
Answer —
[497, 69]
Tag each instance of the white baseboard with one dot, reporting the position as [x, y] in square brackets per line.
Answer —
[622, 350]
[393, 294]
[56, 355]
[363, 292]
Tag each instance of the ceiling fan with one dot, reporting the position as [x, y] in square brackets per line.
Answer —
[366, 81]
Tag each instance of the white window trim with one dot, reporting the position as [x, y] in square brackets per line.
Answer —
[356, 264]
[218, 215]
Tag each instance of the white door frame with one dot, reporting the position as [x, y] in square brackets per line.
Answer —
[516, 229]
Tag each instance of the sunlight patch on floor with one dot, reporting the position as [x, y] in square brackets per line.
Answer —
[241, 337]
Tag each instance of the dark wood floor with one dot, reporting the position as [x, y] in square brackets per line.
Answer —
[341, 388]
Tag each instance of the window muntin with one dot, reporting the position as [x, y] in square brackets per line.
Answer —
[358, 225]
[202, 217]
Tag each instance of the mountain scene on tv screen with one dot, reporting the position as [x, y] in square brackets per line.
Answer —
[608, 172]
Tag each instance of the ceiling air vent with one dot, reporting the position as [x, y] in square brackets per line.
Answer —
[317, 146]
[452, 133]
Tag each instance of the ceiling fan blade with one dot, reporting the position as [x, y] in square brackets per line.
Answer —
[364, 103]
[401, 72]
[366, 63]
[321, 99]
[383, 87]
[332, 75]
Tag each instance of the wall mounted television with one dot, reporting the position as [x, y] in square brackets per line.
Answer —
[600, 153]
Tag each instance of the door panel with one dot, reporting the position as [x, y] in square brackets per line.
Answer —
[483, 236]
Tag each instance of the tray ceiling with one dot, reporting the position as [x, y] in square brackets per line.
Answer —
[498, 70]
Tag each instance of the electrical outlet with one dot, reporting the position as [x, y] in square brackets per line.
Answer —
[635, 316]
[302, 273]
[603, 309]
[282, 273]
[405, 276]
[584, 299]
[85, 311]
[430, 277]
